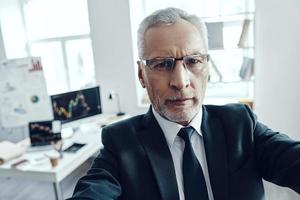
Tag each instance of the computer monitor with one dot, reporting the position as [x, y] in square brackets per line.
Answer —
[76, 105]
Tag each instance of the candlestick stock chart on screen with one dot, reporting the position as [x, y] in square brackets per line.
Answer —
[76, 105]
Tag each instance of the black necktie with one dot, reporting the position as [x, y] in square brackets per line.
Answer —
[193, 178]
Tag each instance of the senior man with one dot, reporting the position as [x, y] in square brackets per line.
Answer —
[181, 149]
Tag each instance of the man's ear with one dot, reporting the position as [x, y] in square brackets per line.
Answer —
[140, 74]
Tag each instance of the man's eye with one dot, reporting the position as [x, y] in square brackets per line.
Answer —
[191, 61]
[164, 65]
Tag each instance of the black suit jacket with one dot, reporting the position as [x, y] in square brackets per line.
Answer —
[136, 162]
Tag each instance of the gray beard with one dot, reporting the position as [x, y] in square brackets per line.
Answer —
[185, 116]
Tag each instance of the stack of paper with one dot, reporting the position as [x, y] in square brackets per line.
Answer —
[9, 150]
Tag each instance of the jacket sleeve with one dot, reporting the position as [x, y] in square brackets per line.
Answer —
[277, 155]
[101, 180]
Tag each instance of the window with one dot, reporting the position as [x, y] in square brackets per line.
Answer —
[58, 31]
[230, 18]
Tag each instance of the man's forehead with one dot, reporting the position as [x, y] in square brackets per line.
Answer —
[181, 38]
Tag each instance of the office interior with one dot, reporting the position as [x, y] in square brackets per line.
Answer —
[94, 44]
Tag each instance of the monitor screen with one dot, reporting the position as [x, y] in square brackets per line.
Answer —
[44, 132]
[75, 105]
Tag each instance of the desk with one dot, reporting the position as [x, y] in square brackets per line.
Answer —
[42, 170]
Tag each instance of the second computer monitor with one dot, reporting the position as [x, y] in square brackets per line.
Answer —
[76, 105]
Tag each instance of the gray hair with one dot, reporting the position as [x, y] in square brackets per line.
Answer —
[169, 16]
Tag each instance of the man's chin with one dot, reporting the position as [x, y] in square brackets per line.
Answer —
[180, 116]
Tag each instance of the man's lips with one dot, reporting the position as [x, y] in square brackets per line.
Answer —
[178, 101]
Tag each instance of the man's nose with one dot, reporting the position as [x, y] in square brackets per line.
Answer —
[180, 76]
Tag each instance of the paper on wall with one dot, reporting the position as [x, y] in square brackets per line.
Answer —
[23, 92]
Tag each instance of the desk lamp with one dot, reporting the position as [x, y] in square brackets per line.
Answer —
[113, 95]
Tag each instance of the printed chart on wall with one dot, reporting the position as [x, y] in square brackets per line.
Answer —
[23, 92]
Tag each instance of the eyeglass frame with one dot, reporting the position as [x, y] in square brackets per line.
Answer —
[146, 61]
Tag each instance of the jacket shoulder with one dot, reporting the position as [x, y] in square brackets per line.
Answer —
[231, 113]
[125, 123]
[122, 130]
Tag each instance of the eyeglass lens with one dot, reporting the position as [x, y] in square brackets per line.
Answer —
[168, 64]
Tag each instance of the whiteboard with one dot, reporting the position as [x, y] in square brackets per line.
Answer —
[23, 92]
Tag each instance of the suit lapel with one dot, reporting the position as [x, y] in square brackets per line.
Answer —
[159, 156]
[216, 154]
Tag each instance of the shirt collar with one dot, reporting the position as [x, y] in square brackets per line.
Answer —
[170, 129]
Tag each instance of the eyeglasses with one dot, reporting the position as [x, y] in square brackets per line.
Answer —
[191, 62]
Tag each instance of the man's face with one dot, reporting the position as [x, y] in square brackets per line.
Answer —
[175, 94]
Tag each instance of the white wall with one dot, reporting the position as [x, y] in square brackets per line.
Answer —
[277, 89]
[113, 53]
[2, 50]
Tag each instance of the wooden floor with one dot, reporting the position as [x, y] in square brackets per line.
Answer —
[21, 189]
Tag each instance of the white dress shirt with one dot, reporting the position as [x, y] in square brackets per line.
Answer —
[176, 146]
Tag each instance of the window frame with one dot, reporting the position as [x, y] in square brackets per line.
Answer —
[60, 39]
